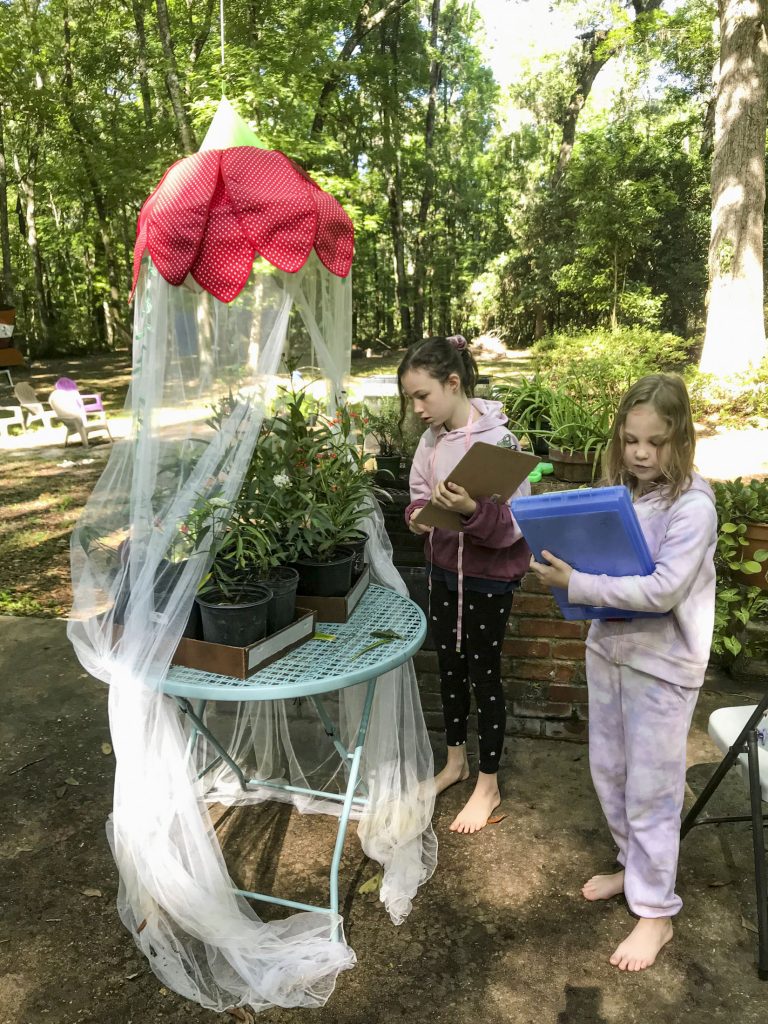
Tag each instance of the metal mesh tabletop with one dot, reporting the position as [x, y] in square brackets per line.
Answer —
[320, 666]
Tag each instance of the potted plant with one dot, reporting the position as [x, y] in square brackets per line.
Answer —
[326, 499]
[383, 424]
[233, 606]
[527, 406]
[579, 430]
[740, 601]
[743, 539]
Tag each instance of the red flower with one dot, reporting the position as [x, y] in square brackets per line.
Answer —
[213, 212]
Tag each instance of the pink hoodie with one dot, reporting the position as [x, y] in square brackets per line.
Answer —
[493, 546]
[681, 537]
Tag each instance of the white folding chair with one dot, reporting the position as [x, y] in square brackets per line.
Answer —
[735, 731]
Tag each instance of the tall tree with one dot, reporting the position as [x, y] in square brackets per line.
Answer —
[366, 21]
[173, 79]
[5, 236]
[428, 187]
[735, 335]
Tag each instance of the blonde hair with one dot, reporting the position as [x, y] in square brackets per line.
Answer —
[667, 395]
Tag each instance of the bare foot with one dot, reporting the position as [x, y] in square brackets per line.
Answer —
[480, 806]
[603, 887]
[642, 945]
[456, 769]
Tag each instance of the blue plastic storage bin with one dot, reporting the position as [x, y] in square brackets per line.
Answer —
[594, 530]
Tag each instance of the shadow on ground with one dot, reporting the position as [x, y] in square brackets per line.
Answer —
[500, 934]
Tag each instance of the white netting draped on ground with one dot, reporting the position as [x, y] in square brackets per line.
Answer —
[132, 598]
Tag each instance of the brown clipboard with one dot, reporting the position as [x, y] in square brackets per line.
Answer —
[486, 471]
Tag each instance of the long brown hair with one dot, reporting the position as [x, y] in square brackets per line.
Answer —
[667, 395]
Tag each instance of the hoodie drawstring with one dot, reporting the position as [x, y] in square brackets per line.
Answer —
[459, 618]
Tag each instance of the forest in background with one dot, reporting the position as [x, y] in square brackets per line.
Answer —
[521, 211]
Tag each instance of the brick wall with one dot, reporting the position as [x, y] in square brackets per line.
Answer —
[542, 668]
[542, 664]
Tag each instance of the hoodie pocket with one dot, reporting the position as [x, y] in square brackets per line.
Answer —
[657, 634]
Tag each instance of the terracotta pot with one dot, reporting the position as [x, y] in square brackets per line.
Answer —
[756, 537]
[572, 467]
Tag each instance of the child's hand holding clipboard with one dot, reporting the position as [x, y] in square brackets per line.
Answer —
[486, 471]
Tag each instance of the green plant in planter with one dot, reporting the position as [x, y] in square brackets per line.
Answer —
[579, 422]
[384, 426]
[329, 492]
[738, 605]
[526, 404]
[740, 505]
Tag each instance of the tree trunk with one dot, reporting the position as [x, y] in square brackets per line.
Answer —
[113, 307]
[391, 141]
[735, 334]
[186, 135]
[201, 37]
[41, 327]
[596, 54]
[5, 237]
[395, 199]
[141, 37]
[364, 25]
[589, 67]
[427, 192]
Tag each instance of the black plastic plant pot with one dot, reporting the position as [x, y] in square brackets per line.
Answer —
[283, 582]
[540, 447]
[389, 464]
[329, 578]
[358, 546]
[415, 578]
[167, 575]
[194, 627]
[235, 623]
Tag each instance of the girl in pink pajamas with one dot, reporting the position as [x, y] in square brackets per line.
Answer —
[644, 674]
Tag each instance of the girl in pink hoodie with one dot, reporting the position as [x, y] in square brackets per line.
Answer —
[644, 674]
[474, 572]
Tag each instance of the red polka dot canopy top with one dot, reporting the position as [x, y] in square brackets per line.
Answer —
[215, 211]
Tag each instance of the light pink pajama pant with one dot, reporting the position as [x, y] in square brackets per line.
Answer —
[638, 725]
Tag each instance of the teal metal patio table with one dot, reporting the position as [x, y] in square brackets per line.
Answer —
[317, 668]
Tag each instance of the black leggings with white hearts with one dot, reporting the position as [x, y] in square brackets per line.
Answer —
[484, 620]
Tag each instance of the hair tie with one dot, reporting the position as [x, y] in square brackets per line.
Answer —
[458, 341]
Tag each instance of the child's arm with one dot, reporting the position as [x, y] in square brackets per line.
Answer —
[691, 530]
[419, 487]
[492, 525]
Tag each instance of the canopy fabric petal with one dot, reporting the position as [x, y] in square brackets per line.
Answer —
[214, 212]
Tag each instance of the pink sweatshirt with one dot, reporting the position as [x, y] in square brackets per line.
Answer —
[681, 537]
[493, 546]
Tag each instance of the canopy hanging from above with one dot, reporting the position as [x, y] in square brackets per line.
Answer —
[214, 212]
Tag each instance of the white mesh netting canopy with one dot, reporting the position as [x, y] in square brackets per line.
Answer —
[237, 251]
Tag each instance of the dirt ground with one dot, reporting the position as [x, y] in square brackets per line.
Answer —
[500, 933]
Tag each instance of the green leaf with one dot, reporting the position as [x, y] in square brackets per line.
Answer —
[750, 567]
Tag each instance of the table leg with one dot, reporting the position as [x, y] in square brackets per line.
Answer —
[354, 770]
[330, 731]
[198, 724]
